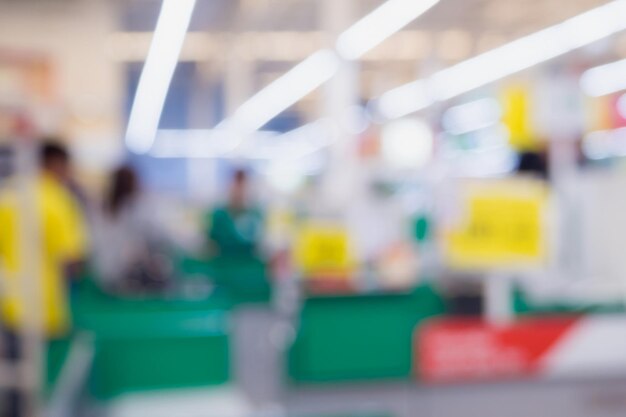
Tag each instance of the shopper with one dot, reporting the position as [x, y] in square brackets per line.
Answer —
[62, 242]
[134, 247]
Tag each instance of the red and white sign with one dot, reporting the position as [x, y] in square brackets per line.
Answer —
[455, 350]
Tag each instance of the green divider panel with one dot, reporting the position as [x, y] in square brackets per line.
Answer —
[245, 278]
[359, 337]
[522, 305]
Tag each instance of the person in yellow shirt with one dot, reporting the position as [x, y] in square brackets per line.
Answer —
[63, 241]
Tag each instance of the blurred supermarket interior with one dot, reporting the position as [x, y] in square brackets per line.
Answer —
[312, 208]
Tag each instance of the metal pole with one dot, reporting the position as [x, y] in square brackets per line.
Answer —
[340, 95]
[31, 331]
[497, 299]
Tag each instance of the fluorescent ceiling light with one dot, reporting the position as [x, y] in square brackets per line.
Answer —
[472, 116]
[605, 79]
[407, 143]
[157, 73]
[301, 142]
[605, 144]
[403, 100]
[318, 68]
[285, 91]
[266, 145]
[200, 143]
[192, 143]
[509, 59]
[377, 26]
[621, 106]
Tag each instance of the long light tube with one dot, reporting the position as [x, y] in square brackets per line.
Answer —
[267, 145]
[405, 99]
[320, 67]
[604, 79]
[378, 25]
[157, 73]
[523, 53]
[284, 91]
[471, 116]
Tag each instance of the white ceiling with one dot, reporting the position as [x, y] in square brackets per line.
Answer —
[451, 31]
[510, 16]
[473, 15]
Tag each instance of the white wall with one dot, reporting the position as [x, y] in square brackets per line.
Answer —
[73, 35]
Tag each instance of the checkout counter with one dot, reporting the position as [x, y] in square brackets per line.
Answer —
[179, 339]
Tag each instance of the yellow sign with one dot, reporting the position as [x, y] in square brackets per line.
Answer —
[323, 249]
[501, 225]
[516, 117]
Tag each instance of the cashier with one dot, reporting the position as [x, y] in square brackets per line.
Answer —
[236, 228]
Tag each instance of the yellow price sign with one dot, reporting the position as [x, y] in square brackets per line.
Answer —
[516, 101]
[502, 225]
[323, 249]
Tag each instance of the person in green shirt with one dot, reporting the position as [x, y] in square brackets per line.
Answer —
[236, 228]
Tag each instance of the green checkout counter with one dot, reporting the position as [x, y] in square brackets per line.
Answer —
[246, 279]
[166, 343]
[158, 342]
[360, 337]
[357, 337]
[154, 343]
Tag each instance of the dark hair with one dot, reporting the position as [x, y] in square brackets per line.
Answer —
[123, 187]
[533, 163]
[52, 150]
[240, 176]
